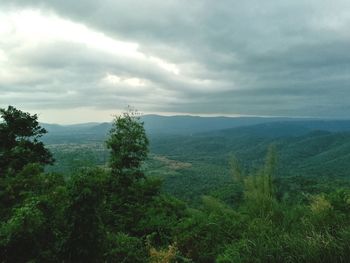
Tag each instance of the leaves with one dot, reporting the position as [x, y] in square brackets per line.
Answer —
[19, 144]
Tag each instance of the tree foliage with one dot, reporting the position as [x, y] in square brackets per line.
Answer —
[128, 143]
[19, 141]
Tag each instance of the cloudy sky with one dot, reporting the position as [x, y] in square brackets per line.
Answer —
[78, 61]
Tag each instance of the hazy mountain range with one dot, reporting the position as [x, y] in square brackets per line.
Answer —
[190, 125]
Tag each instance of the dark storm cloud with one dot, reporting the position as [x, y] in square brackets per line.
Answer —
[251, 57]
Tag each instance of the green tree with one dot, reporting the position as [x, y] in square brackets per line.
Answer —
[128, 144]
[22, 157]
[19, 141]
[86, 235]
[33, 230]
[259, 189]
[135, 206]
[126, 249]
[21, 235]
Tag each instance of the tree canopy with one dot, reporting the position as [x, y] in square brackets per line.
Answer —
[128, 144]
[19, 141]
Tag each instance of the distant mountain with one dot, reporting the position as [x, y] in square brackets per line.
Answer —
[288, 128]
[186, 125]
[175, 125]
[77, 133]
[73, 128]
[156, 125]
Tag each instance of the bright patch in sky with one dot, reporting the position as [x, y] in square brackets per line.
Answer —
[166, 65]
[32, 26]
[115, 80]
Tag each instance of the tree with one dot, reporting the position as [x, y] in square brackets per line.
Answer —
[19, 141]
[22, 233]
[129, 147]
[260, 194]
[133, 199]
[86, 235]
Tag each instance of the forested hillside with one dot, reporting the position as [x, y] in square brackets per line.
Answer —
[247, 207]
[194, 164]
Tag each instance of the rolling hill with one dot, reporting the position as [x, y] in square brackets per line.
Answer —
[191, 154]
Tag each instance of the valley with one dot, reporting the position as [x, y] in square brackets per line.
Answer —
[194, 163]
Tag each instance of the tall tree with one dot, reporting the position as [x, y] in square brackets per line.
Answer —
[129, 191]
[86, 235]
[19, 141]
[129, 147]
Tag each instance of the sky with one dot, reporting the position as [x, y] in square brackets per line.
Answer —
[80, 61]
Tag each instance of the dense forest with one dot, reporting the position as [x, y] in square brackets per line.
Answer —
[268, 193]
[313, 154]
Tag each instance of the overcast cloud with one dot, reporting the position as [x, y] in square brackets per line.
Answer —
[75, 61]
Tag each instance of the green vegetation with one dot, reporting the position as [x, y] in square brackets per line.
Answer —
[19, 141]
[310, 159]
[246, 211]
[319, 161]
